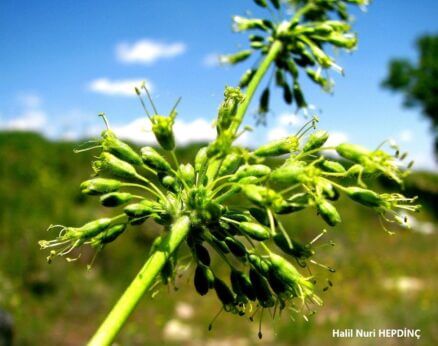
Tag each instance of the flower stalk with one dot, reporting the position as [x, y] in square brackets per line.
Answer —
[143, 281]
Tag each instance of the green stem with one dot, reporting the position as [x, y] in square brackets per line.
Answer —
[114, 321]
[252, 87]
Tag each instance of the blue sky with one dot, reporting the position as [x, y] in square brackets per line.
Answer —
[63, 62]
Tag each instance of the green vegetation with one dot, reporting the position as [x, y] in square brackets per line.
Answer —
[417, 81]
[62, 304]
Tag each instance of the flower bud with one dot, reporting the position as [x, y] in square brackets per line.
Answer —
[115, 199]
[342, 41]
[332, 166]
[91, 229]
[98, 186]
[201, 159]
[233, 59]
[279, 78]
[300, 201]
[221, 244]
[261, 289]
[223, 292]
[299, 97]
[290, 173]
[276, 4]
[228, 108]
[280, 206]
[246, 78]
[352, 152]
[261, 3]
[187, 173]
[255, 230]
[230, 164]
[247, 180]
[258, 171]
[277, 285]
[338, 25]
[260, 215]
[286, 272]
[109, 235]
[153, 159]
[327, 190]
[170, 183]
[241, 285]
[257, 45]
[278, 147]
[213, 210]
[316, 140]
[110, 163]
[260, 195]
[140, 210]
[115, 146]
[202, 254]
[288, 96]
[365, 197]
[259, 263]
[243, 24]
[221, 145]
[203, 280]
[168, 270]
[235, 285]
[320, 56]
[264, 101]
[328, 212]
[162, 127]
[297, 250]
[292, 68]
[322, 29]
[235, 246]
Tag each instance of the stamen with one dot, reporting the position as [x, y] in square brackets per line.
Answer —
[260, 335]
[210, 325]
[105, 120]
[324, 231]
[172, 113]
[331, 270]
[149, 97]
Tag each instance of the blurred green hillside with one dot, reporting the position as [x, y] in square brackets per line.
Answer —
[382, 281]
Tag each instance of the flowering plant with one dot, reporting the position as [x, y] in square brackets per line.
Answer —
[196, 202]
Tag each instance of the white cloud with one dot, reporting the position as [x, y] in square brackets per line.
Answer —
[336, 138]
[139, 131]
[211, 60]
[284, 123]
[121, 87]
[198, 130]
[30, 120]
[148, 51]
[291, 119]
[406, 136]
[277, 133]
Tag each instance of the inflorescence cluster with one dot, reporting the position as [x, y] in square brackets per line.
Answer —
[230, 200]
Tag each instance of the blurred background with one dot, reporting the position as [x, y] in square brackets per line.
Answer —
[64, 62]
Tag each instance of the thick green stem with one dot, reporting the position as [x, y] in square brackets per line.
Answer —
[255, 81]
[142, 282]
